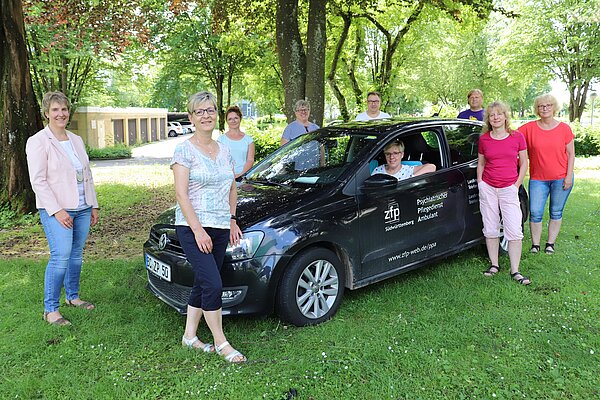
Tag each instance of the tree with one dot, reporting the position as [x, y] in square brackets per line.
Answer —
[562, 36]
[20, 115]
[67, 38]
[303, 77]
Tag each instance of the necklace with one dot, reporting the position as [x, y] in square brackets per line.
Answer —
[204, 147]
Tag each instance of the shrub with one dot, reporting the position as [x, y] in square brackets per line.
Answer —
[10, 218]
[587, 140]
[266, 140]
[109, 153]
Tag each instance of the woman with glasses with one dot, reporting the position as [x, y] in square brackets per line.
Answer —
[205, 222]
[60, 174]
[241, 145]
[301, 125]
[552, 153]
[394, 152]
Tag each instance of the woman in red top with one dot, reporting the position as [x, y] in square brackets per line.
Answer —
[501, 168]
[552, 153]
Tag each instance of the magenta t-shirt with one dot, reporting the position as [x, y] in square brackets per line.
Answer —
[501, 158]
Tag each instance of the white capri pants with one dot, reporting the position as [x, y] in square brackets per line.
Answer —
[492, 201]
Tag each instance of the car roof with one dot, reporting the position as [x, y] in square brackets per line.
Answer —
[386, 126]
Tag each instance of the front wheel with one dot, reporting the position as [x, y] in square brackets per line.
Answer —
[311, 288]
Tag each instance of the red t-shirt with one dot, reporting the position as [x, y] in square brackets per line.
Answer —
[548, 159]
[501, 158]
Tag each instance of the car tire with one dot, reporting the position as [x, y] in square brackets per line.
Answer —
[311, 288]
[172, 133]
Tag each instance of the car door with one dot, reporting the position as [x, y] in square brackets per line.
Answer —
[414, 219]
[462, 140]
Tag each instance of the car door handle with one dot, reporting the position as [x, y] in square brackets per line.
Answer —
[455, 188]
[473, 164]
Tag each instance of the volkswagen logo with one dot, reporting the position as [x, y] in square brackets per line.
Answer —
[163, 242]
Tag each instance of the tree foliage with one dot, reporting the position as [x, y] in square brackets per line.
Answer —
[68, 39]
[563, 37]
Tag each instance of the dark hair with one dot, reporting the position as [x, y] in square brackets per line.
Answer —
[233, 109]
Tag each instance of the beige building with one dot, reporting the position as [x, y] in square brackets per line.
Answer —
[102, 127]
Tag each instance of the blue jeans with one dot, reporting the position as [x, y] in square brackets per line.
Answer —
[66, 256]
[538, 195]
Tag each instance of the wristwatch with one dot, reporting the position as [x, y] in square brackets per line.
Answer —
[233, 217]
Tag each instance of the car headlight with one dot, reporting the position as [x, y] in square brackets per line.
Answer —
[246, 247]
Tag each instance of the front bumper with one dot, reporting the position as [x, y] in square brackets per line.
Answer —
[247, 285]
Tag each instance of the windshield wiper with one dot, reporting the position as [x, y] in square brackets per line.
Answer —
[267, 182]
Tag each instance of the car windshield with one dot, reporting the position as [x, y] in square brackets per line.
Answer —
[316, 158]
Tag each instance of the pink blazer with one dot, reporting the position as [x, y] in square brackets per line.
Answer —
[52, 175]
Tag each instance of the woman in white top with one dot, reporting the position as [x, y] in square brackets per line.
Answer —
[394, 152]
[241, 146]
[205, 222]
[61, 178]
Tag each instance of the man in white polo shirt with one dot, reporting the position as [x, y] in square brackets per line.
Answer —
[373, 112]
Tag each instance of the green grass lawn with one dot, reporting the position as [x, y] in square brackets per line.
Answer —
[442, 332]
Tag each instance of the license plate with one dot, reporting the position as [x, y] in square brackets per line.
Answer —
[158, 268]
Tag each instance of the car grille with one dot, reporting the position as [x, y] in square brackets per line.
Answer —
[177, 294]
[173, 244]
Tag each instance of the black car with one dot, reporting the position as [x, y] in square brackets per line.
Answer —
[316, 222]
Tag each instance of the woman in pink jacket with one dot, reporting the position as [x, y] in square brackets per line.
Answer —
[61, 178]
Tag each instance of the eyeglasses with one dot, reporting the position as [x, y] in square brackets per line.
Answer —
[392, 153]
[373, 101]
[200, 111]
[303, 110]
[545, 106]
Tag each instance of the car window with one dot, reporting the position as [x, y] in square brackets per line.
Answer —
[462, 140]
[319, 157]
[419, 148]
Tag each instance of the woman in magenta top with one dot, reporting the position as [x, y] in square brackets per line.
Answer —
[552, 152]
[501, 168]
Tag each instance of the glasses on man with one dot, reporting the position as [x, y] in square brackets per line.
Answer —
[392, 153]
[544, 106]
[200, 111]
[303, 110]
[373, 101]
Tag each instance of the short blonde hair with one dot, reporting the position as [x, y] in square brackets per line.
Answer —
[397, 143]
[51, 97]
[201, 97]
[545, 99]
[500, 107]
[478, 91]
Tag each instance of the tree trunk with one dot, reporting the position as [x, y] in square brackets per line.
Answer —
[220, 80]
[19, 111]
[315, 61]
[292, 57]
[347, 17]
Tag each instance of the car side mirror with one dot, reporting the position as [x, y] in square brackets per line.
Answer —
[380, 181]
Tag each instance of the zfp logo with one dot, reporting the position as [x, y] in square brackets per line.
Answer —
[392, 214]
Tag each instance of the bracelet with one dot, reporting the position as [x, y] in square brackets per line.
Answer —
[233, 217]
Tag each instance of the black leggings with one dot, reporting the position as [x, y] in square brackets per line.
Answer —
[207, 289]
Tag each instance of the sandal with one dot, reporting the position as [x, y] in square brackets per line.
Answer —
[233, 354]
[492, 270]
[523, 280]
[206, 347]
[535, 248]
[549, 248]
[84, 304]
[58, 322]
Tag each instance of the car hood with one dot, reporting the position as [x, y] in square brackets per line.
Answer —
[258, 201]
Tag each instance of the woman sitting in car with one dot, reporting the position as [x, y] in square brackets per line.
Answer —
[394, 152]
